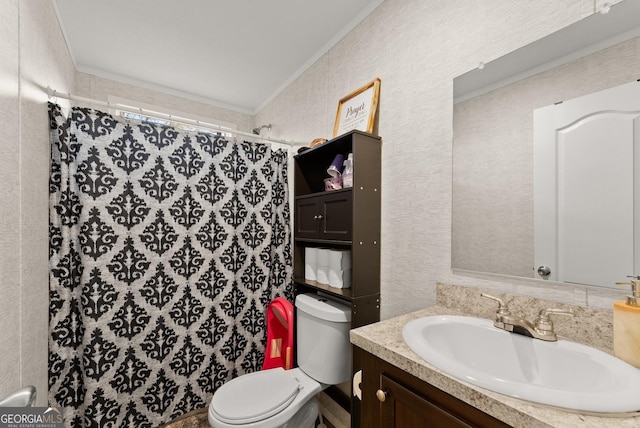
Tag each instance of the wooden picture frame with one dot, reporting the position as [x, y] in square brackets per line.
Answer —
[358, 109]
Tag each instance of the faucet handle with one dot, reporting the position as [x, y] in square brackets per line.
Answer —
[544, 313]
[544, 325]
[634, 283]
[503, 309]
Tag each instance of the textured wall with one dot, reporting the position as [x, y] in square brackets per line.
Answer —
[417, 48]
[34, 55]
[9, 199]
[493, 158]
[99, 88]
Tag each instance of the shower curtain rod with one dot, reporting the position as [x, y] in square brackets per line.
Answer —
[52, 93]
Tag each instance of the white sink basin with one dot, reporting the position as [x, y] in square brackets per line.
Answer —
[562, 374]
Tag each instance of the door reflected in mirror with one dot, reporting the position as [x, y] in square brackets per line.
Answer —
[494, 225]
[586, 159]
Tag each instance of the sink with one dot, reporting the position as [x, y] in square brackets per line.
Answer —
[562, 374]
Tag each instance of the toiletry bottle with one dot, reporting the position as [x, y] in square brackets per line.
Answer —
[626, 325]
[347, 174]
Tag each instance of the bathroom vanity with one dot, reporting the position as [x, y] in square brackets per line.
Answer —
[398, 388]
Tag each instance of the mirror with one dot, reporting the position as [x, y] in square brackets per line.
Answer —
[493, 150]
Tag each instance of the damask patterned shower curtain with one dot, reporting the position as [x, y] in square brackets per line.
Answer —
[165, 248]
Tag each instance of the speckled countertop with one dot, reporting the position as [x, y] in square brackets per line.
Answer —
[384, 340]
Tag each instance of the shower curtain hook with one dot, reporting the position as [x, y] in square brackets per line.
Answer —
[52, 94]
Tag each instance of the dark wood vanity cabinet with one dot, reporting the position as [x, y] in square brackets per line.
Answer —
[393, 398]
[346, 219]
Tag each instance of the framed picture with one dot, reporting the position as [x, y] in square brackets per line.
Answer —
[358, 109]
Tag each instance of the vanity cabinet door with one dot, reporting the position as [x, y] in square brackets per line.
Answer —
[391, 397]
[404, 408]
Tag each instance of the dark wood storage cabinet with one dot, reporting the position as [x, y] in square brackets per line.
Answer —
[347, 219]
[393, 398]
[325, 217]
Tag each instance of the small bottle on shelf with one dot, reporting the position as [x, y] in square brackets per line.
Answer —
[347, 174]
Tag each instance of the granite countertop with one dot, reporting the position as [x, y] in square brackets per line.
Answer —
[384, 340]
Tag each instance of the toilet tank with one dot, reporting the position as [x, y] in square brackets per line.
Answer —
[322, 338]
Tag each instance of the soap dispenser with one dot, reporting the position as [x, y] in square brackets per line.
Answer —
[626, 324]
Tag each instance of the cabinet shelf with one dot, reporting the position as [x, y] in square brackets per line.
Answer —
[311, 165]
[325, 192]
[331, 242]
[343, 293]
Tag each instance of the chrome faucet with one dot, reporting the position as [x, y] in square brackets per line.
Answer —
[542, 328]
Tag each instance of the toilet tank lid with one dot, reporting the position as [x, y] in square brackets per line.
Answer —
[323, 307]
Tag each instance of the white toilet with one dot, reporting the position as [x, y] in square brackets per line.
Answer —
[279, 398]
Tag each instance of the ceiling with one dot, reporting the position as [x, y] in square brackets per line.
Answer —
[237, 54]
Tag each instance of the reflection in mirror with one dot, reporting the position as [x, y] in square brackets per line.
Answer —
[493, 151]
[584, 208]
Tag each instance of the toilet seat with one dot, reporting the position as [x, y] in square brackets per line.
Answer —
[254, 396]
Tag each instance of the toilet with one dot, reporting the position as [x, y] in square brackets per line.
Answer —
[278, 398]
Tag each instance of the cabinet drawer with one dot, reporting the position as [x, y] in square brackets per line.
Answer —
[324, 217]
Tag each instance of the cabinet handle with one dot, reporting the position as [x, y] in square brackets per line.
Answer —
[382, 395]
[317, 217]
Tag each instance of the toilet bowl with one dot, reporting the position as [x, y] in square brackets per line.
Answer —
[266, 399]
[278, 398]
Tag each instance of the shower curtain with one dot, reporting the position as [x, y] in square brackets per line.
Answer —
[165, 248]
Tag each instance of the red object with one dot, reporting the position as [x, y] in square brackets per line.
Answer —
[279, 352]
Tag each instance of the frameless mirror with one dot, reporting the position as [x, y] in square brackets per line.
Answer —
[498, 171]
